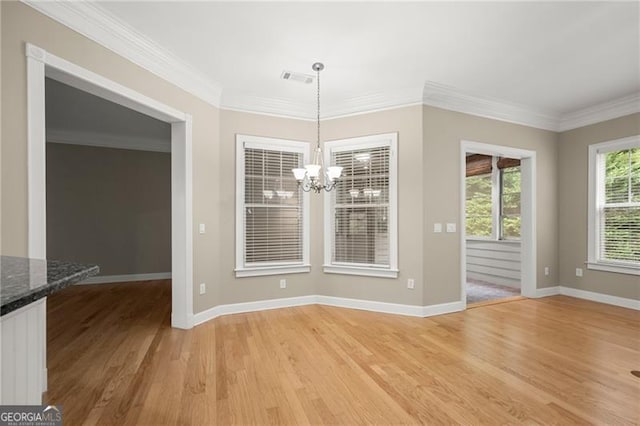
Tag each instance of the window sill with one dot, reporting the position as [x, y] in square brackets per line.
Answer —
[614, 267]
[363, 271]
[272, 270]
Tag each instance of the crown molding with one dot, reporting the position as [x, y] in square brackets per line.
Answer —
[95, 23]
[361, 104]
[105, 140]
[374, 101]
[274, 107]
[446, 97]
[601, 112]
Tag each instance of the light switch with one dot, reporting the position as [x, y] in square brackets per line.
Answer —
[201, 228]
[437, 227]
[451, 227]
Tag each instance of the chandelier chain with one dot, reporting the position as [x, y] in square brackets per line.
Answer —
[318, 114]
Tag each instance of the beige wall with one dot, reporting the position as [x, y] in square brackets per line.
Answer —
[573, 164]
[429, 178]
[408, 123]
[443, 131]
[21, 24]
[111, 207]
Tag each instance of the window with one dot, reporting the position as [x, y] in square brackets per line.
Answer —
[361, 213]
[272, 220]
[614, 206]
[492, 207]
[510, 203]
[479, 211]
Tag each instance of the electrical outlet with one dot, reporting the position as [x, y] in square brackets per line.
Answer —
[283, 283]
[437, 227]
[411, 284]
[546, 270]
[203, 288]
[578, 272]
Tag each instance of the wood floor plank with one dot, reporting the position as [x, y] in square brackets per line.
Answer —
[114, 359]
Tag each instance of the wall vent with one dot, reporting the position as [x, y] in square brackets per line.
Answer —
[296, 76]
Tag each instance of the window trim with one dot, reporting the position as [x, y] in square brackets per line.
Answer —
[266, 268]
[350, 144]
[595, 197]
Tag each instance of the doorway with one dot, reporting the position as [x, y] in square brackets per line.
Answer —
[42, 64]
[498, 223]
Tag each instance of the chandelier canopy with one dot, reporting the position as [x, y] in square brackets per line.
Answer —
[314, 176]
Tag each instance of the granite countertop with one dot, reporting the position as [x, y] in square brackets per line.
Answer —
[24, 280]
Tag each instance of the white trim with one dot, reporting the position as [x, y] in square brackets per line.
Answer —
[528, 242]
[443, 308]
[601, 112]
[36, 152]
[547, 291]
[182, 223]
[361, 104]
[589, 295]
[275, 107]
[371, 305]
[613, 267]
[595, 198]
[601, 298]
[272, 270]
[99, 25]
[260, 305]
[109, 279]
[454, 99]
[40, 64]
[105, 140]
[259, 142]
[342, 302]
[352, 144]
[374, 101]
[360, 270]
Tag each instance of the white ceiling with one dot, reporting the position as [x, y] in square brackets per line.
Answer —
[551, 65]
[553, 57]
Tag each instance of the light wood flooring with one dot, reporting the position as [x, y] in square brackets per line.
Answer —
[113, 359]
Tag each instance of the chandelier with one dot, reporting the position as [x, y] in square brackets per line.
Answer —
[314, 176]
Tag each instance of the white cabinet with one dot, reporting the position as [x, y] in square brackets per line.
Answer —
[23, 373]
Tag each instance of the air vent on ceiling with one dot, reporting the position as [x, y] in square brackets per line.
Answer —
[296, 76]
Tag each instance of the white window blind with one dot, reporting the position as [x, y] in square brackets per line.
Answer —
[619, 206]
[271, 213]
[362, 207]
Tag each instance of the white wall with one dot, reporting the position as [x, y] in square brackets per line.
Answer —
[497, 262]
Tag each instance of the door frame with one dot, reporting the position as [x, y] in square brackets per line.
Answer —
[528, 277]
[41, 64]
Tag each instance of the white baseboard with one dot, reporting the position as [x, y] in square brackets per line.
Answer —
[589, 295]
[602, 298]
[343, 302]
[105, 279]
[371, 305]
[547, 291]
[442, 308]
[260, 305]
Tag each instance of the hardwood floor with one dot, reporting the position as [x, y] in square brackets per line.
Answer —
[113, 359]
